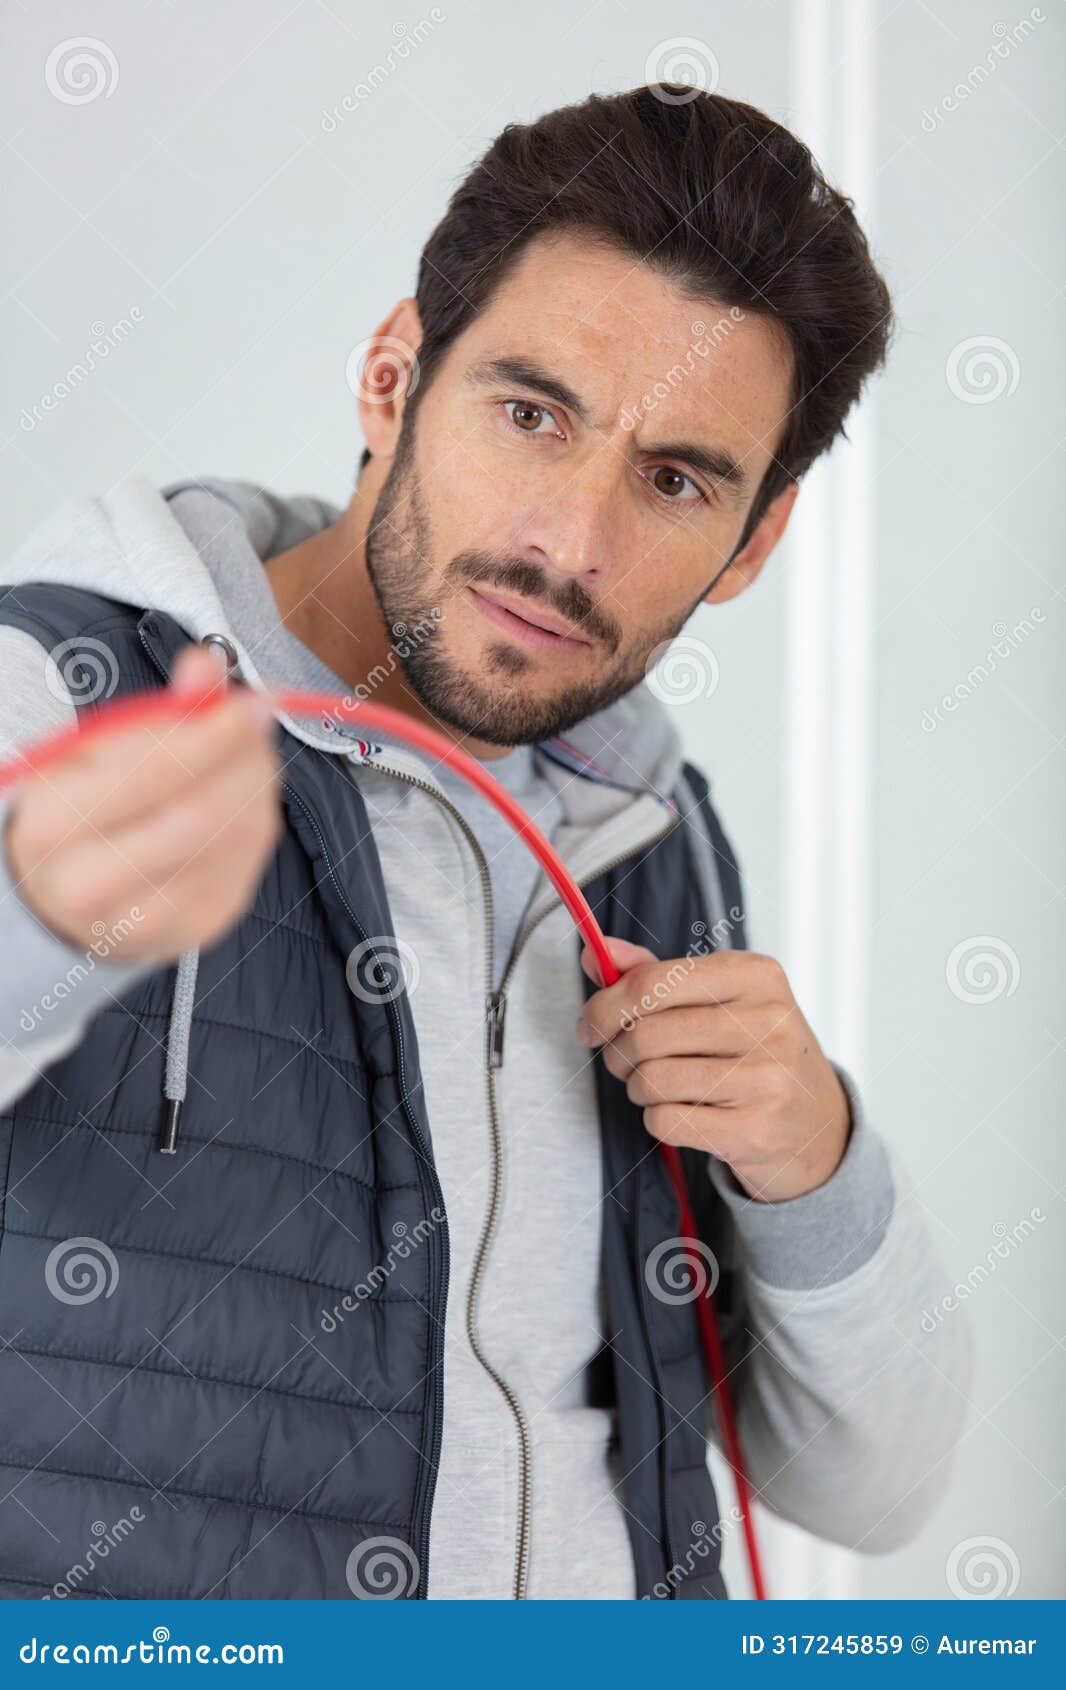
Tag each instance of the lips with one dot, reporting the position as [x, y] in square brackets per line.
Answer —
[525, 622]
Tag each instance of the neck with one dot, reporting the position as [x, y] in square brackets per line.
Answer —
[325, 597]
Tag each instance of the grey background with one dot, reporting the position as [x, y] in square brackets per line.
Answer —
[246, 247]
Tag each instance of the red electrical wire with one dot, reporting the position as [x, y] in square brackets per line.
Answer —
[165, 705]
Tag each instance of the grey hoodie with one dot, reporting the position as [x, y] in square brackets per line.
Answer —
[848, 1407]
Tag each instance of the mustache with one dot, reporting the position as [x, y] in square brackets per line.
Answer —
[517, 575]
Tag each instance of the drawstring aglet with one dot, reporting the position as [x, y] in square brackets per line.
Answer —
[168, 1132]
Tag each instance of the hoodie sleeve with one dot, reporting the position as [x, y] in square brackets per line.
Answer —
[851, 1392]
[49, 989]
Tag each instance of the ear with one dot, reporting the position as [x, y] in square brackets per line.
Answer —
[387, 376]
[746, 567]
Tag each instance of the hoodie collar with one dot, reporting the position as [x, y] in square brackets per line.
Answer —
[128, 545]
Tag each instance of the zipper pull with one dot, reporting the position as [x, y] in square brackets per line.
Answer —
[495, 1005]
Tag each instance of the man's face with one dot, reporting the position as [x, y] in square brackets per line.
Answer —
[564, 492]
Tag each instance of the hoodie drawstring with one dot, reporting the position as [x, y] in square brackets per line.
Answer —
[177, 1064]
[181, 1003]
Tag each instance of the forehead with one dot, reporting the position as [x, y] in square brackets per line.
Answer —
[633, 346]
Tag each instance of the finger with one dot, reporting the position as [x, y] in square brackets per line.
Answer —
[195, 668]
[719, 1030]
[721, 1132]
[114, 781]
[221, 816]
[622, 953]
[197, 907]
[712, 1081]
[651, 987]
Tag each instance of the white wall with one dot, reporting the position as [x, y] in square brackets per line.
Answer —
[234, 248]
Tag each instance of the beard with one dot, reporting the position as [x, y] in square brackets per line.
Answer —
[492, 704]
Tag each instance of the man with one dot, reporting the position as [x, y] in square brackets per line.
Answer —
[400, 1312]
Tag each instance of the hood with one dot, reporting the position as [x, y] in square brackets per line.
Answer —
[128, 545]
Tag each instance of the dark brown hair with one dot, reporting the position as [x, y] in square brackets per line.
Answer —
[727, 204]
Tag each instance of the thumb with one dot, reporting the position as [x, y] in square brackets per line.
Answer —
[195, 669]
[624, 956]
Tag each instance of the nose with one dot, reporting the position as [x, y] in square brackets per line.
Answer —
[568, 531]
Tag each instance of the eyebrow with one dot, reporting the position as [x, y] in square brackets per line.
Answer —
[714, 463]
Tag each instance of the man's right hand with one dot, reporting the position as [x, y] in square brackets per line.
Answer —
[160, 833]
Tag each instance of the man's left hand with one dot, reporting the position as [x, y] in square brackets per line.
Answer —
[719, 1055]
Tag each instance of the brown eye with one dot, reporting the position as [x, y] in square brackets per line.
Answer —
[528, 417]
[668, 481]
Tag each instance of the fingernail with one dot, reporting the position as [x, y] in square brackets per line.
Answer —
[588, 1035]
